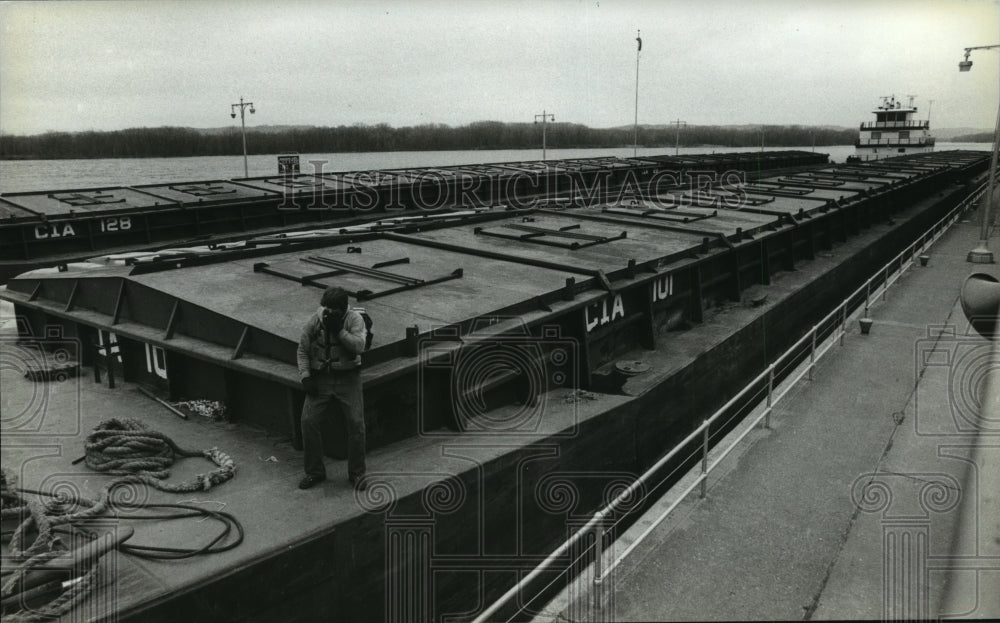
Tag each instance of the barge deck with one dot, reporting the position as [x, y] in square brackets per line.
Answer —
[471, 461]
[49, 227]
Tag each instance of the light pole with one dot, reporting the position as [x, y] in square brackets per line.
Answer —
[242, 106]
[545, 117]
[677, 137]
[635, 124]
[982, 254]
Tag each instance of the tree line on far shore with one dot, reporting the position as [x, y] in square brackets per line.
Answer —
[179, 142]
[978, 137]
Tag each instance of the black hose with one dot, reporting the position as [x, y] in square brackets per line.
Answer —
[229, 524]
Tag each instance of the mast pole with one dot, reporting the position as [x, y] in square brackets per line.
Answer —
[635, 131]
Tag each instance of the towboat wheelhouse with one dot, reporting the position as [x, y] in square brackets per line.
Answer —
[895, 132]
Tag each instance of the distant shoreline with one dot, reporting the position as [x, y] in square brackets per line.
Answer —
[375, 151]
[169, 142]
[18, 158]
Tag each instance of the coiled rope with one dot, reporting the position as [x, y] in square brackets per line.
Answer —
[121, 447]
[127, 448]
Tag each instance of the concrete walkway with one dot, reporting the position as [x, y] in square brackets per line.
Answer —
[847, 507]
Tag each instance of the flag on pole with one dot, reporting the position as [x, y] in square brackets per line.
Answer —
[639, 39]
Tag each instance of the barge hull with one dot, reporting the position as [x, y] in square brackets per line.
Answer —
[453, 517]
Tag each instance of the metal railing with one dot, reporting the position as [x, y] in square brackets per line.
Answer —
[915, 125]
[918, 140]
[810, 348]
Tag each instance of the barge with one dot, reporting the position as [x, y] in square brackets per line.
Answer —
[527, 363]
[50, 227]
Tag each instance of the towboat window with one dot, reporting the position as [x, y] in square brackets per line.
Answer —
[876, 135]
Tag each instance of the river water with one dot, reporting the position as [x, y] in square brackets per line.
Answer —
[35, 175]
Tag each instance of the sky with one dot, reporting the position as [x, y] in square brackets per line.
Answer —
[81, 65]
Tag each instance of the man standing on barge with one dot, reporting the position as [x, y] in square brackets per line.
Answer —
[329, 361]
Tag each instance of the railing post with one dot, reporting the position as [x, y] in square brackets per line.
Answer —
[598, 588]
[770, 392]
[843, 321]
[885, 282]
[704, 459]
[868, 295]
[812, 353]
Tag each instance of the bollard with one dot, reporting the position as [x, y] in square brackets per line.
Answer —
[924, 259]
[866, 325]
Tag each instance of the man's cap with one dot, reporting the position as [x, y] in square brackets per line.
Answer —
[334, 297]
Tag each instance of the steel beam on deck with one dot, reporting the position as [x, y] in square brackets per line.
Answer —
[168, 332]
[495, 255]
[765, 263]
[808, 183]
[785, 187]
[672, 214]
[119, 303]
[780, 192]
[346, 267]
[72, 295]
[536, 234]
[618, 221]
[340, 268]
